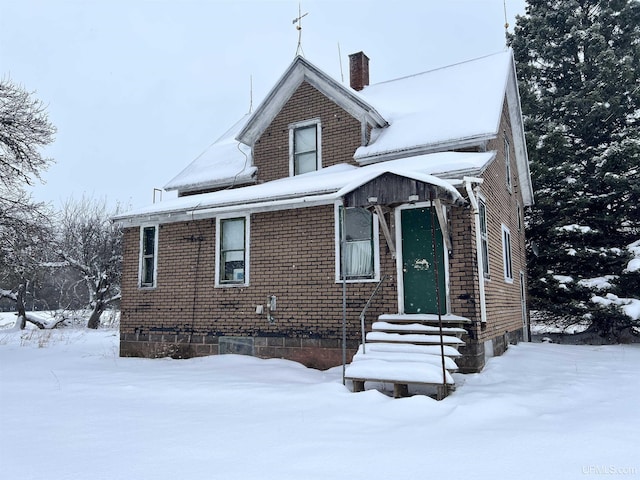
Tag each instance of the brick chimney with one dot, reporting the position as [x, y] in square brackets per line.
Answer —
[358, 71]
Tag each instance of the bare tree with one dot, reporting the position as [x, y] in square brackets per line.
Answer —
[91, 244]
[24, 130]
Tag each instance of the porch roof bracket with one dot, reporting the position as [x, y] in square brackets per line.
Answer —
[444, 226]
[385, 229]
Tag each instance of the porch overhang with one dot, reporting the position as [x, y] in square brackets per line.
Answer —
[391, 188]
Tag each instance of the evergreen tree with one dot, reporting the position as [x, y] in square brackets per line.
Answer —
[578, 64]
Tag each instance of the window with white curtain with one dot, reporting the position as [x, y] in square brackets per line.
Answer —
[359, 255]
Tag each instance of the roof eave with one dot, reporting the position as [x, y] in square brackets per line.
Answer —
[248, 179]
[520, 144]
[479, 141]
[183, 214]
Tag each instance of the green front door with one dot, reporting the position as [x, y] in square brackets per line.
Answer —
[418, 266]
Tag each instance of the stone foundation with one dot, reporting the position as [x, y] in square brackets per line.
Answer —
[311, 352]
[475, 354]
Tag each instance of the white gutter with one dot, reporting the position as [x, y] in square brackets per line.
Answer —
[476, 213]
[195, 213]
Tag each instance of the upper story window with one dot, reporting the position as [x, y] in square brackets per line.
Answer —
[232, 251]
[506, 254]
[519, 216]
[507, 162]
[148, 256]
[304, 147]
[361, 244]
[484, 236]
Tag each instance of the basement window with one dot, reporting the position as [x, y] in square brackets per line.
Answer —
[147, 273]
[232, 251]
[304, 147]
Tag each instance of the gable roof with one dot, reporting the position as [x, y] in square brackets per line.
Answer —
[438, 110]
[225, 162]
[299, 71]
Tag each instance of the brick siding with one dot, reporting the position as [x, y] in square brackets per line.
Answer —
[341, 133]
[292, 256]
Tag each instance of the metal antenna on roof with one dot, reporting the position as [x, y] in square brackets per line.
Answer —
[506, 24]
[298, 20]
[250, 93]
[340, 62]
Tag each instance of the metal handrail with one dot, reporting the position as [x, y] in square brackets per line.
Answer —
[364, 311]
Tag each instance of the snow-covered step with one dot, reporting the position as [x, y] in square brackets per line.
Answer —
[396, 372]
[415, 338]
[436, 360]
[422, 318]
[416, 328]
[449, 351]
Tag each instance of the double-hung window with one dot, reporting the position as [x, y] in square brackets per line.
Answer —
[148, 256]
[506, 254]
[232, 251]
[361, 245]
[304, 147]
[507, 162]
[484, 236]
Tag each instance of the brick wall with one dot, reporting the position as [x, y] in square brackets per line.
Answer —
[341, 133]
[503, 298]
[291, 256]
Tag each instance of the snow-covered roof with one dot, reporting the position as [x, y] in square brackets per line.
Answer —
[437, 108]
[225, 162]
[322, 187]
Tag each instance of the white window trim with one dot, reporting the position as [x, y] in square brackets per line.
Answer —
[483, 201]
[247, 243]
[507, 163]
[155, 256]
[376, 249]
[507, 258]
[306, 123]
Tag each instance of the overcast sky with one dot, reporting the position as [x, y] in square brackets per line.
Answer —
[138, 89]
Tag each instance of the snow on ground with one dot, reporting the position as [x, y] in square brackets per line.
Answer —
[70, 408]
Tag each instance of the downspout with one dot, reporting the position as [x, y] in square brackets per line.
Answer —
[476, 214]
[343, 242]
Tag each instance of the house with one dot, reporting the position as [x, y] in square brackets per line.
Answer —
[393, 209]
